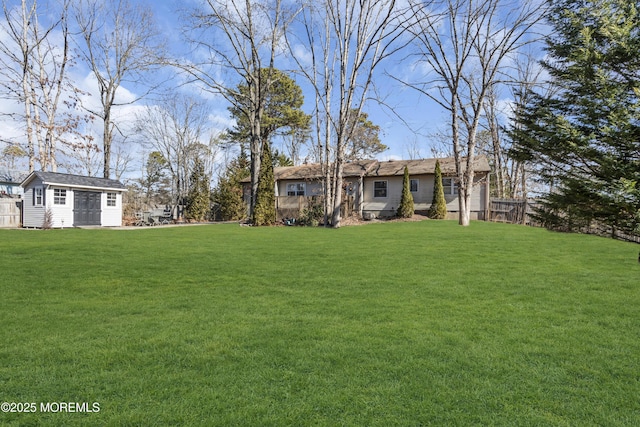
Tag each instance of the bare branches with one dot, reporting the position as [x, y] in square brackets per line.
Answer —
[234, 41]
[35, 59]
[343, 43]
[464, 45]
[121, 44]
[176, 129]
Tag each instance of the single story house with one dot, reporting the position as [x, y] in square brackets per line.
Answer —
[374, 188]
[72, 200]
[10, 182]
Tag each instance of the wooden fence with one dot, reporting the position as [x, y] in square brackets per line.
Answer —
[519, 211]
[292, 206]
[515, 211]
[10, 212]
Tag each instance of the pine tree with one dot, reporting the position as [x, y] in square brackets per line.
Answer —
[265, 209]
[583, 135]
[438, 208]
[405, 210]
[198, 198]
[228, 194]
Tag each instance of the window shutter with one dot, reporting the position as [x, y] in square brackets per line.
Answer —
[44, 192]
[33, 196]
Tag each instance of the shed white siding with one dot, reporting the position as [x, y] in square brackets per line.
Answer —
[62, 214]
[111, 215]
[59, 192]
[32, 213]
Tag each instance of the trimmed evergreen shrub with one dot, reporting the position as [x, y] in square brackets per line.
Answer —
[438, 208]
[406, 208]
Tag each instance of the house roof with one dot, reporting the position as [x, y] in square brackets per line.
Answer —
[425, 166]
[12, 177]
[377, 168]
[77, 181]
[313, 171]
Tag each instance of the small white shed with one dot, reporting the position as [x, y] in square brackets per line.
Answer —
[73, 200]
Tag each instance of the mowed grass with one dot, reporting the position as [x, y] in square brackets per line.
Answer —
[397, 324]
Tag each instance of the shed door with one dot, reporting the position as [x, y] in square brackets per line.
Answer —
[86, 208]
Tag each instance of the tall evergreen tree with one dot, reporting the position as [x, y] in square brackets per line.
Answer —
[265, 210]
[584, 135]
[438, 208]
[228, 194]
[406, 208]
[198, 204]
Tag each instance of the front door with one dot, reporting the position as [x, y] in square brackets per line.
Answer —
[86, 208]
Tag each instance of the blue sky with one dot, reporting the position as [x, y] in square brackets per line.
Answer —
[408, 120]
[420, 116]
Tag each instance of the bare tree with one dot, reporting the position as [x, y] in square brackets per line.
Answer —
[121, 43]
[238, 40]
[346, 40]
[465, 44]
[176, 128]
[35, 58]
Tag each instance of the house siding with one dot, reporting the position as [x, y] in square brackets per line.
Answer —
[312, 188]
[387, 206]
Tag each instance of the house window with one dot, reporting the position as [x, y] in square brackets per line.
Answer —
[449, 186]
[295, 189]
[414, 185]
[59, 196]
[379, 188]
[111, 199]
[38, 196]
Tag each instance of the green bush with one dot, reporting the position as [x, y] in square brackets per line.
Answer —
[406, 208]
[438, 208]
[312, 215]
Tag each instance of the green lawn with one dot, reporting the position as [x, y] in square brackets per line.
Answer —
[406, 324]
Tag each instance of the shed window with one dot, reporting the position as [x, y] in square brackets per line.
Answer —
[59, 196]
[379, 188]
[449, 186]
[414, 185]
[38, 197]
[111, 199]
[295, 189]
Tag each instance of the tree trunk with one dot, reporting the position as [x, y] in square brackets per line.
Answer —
[337, 192]
[106, 143]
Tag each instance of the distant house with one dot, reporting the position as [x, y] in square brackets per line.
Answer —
[10, 182]
[373, 188]
[73, 200]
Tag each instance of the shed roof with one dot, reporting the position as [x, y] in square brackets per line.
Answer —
[78, 181]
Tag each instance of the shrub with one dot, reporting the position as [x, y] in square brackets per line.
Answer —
[406, 208]
[47, 222]
[312, 215]
[438, 208]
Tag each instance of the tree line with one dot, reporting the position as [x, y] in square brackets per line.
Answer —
[475, 53]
